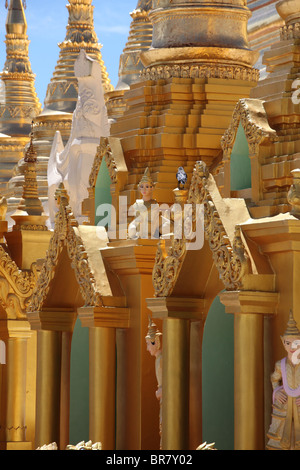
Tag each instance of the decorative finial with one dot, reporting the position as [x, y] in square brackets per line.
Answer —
[61, 195]
[153, 331]
[181, 177]
[292, 328]
[31, 154]
[147, 177]
[23, 1]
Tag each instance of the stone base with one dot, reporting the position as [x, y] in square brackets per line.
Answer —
[16, 446]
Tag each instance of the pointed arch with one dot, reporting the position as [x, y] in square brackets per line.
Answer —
[67, 236]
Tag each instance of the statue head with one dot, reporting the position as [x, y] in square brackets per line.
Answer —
[153, 338]
[291, 339]
[146, 186]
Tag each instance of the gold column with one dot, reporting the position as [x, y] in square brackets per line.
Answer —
[66, 342]
[102, 347]
[249, 309]
[48, 387]
[248, 382]
[181, 343]
[175, 404]
[103, 322]
[19, 333]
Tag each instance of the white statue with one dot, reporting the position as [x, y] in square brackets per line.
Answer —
[145, 211]
[72, 164]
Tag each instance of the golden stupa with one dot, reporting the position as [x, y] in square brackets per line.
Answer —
[77, 301]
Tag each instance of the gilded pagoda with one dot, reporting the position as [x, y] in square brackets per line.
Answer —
[133, 342]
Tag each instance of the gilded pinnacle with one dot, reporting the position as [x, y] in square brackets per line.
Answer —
[30, 202]
[21, 103]
[16, 21]
[62, 92]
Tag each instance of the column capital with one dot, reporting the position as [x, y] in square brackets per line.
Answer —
[250, 302]
[113, 314]
[53, 319]
[15, 329]
[184, 308]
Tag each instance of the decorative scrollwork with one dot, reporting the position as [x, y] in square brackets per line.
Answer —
[246, 113]
[65, 234]
[16, 286]
[231, 260]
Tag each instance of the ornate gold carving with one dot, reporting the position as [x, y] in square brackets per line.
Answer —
[231, 260]
[250, 113]
[158, 72]
[291, 31]
[65, 235]
[103, 151]
[16, 286]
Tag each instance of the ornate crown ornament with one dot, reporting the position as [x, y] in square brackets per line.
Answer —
[292, 328]
[147, 178]
[153, 331]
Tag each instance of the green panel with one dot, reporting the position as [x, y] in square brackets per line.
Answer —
[240, 165]
[79, 387]
[102, 191]
[218, 378]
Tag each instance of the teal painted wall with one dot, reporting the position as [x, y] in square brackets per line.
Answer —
[79, 386]
[218, 378]
[102, 192]
[240, 165]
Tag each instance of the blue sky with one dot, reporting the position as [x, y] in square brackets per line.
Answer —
[47, 21]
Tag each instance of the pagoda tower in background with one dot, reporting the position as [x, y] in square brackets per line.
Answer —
[19, 104]
[61, 96]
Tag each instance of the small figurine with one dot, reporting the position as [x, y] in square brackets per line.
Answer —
[146, 221]
[3, 208]
[181, 177]
[284, 431]
[154, 347]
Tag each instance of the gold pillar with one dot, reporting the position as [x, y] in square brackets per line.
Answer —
[182, 341]
[175, 403]
[195, 411]
[137, 408]
[48, 387]
[66, 342]
[103, 323]
[102, 346]
[54, 336]
[14, 388]
[16, 385]
[248, 382]
[249, 309]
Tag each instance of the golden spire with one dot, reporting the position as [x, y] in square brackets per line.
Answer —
[130, 65]
[139, 40]
[62, 91]
[30, 202]
[21, 104]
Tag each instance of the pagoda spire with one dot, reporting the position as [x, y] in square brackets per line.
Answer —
[62, 91]
[21, 103]
[130, 66]
[30, 202]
